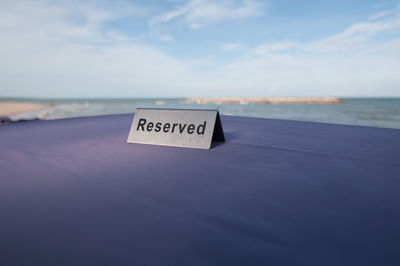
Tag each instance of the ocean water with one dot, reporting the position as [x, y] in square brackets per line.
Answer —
[375, 112]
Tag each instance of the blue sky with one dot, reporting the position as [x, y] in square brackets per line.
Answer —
[182, 48]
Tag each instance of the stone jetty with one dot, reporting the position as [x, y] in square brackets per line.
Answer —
[280, 100]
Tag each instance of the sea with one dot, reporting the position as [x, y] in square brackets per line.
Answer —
[373, 112]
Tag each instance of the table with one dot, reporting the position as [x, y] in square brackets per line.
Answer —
[73, 192]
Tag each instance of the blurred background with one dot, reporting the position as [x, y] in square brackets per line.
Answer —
[326, 61]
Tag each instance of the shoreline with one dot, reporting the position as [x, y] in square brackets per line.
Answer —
[8, 109]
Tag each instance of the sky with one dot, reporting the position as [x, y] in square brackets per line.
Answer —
[205, 48]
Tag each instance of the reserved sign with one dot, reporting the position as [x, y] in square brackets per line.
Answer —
[176, 127]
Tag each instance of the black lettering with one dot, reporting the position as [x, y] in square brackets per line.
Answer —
[181, 129]
[191, 128]
[173, 127]
[166, 127]
[150, 126]
[141, 123]
[201, 128]
[158, 127]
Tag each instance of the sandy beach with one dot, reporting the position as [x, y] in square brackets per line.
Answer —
[12, 108]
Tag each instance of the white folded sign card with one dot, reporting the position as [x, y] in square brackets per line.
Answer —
[176, 127]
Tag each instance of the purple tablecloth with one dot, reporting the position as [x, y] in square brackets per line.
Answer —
[73, 192]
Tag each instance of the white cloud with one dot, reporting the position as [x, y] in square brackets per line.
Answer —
[354, 36]
[380, 14]
[358, 38]
[267, 48]
[361, 36]
[166, 38]
[64, 51]
[231, 46]
[80, 21]
[45, 52]
[197, 13]
[354, 62]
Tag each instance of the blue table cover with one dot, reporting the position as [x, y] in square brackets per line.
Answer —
[73, 192]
